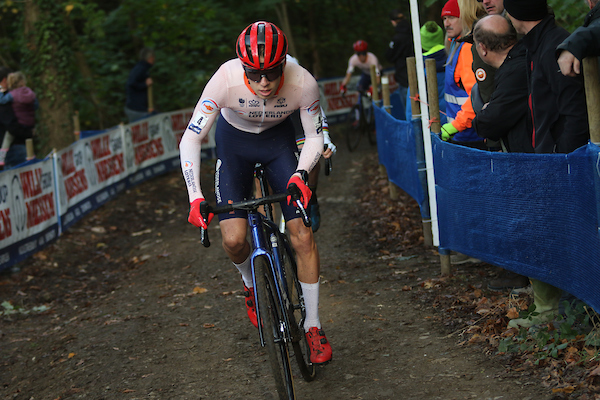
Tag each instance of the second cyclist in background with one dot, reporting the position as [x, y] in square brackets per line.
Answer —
[362, 59]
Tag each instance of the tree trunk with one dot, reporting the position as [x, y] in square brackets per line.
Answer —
[282, 15]
[44, 29]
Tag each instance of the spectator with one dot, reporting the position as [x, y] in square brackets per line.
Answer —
[484, 73]
[582, 43]
[503, 118]
[400, 48]
[493, 7]
[7, 115]
[362, 59]
[432, 43]
[458, 83]
[557, 117]
[138, 83]
[24, 103]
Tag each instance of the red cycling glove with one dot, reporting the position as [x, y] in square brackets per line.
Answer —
[305, 192]
[195, 217]
[343, 89]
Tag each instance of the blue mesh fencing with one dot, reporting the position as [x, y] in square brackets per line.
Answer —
[534, 214]
[400, 148]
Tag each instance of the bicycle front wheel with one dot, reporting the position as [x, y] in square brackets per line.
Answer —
[370, 124]
[273, 330]
[297, 314]
[354, 131]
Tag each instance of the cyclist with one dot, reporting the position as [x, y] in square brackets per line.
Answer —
[255, 94]
[361, 59]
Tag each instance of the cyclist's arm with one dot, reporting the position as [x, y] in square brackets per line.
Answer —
[204, 116]
[312, 124]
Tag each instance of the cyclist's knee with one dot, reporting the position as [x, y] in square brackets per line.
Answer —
[301, 237]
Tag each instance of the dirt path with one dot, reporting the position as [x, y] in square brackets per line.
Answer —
[137, 309]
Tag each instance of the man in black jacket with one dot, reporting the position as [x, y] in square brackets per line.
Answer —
[557, 115]
[400, 48]
[557, 119]
[582, 43]
[139, 80]
[504, 117]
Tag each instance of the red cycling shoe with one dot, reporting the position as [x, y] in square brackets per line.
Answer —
[320, 349]
[250, 306]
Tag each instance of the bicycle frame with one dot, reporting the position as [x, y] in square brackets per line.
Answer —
[260, 228]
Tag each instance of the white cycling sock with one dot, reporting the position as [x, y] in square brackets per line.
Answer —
[245, 269]
[311, 301]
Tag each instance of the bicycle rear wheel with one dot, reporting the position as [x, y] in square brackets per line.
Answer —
[354, 131]
[297, 313]
[272, 324]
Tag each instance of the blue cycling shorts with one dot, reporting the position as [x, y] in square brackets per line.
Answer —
[237, 154]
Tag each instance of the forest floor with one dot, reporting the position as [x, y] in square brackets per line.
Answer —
[128, 305]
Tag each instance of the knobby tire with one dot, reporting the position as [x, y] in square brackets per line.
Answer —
[370, 131]
[275, 344]
[355, 130]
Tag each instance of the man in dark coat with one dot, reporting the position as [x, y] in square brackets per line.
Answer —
[504, 117]
[400, 48]
[557, 116]
[582, 43]
[139, 80]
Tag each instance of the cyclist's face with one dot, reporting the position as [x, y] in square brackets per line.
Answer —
[265, 89]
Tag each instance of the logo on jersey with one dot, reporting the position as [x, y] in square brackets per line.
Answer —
[240, 112]
[208, 106]
[187, 164]
[281, 102]
[480, 74]
[242, 102]
[254, 103]
[314, 108]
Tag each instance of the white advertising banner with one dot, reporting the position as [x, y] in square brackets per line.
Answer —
[90, 172]
[28, 211]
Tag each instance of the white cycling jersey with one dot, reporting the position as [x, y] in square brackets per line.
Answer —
[229, 93]
[354, 62]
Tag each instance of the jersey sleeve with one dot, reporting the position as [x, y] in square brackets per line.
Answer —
[205, 113]
[312, 123]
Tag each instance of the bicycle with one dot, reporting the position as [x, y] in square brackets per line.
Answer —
[362, 121]
[277, 291]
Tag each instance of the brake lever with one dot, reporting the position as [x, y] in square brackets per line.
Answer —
[328, 164]
[204, 211]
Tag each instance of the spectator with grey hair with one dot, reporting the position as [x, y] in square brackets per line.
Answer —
[582, 43]
[138, 82]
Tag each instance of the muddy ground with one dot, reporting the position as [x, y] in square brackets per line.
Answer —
[128, 305]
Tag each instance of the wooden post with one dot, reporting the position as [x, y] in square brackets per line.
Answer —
[76, 126]
[29, 147]
[432, 96]
[592, 96]
[411, 65]
[445, 263]
[150, 99]
[385, 93]
[374, 84]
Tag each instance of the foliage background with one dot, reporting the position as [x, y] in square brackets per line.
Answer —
[77, 54]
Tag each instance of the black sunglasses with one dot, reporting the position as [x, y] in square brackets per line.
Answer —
[362, 53]
[256, 75]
